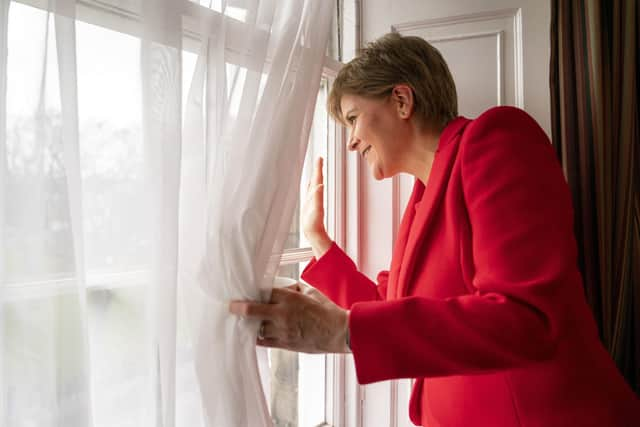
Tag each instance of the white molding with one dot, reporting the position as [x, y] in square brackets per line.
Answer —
[514, 14]
[361, 396]
[393, 415]
[336, 179]
[456, 19]
[335, 391]
[396, 208]
[499, 36]
[337, 168]
[354, 245]
[465, 36]
[357, 167]
[500, 67]
[336, 382]
[519, 58]
[353, 396]
[359, 20]
[353, 205]
[396, 214]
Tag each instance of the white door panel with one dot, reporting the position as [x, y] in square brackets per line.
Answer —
[484, 54]
[498, 53]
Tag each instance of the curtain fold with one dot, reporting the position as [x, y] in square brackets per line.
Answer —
[161, 65]
[265, 124]
[596, 132]
[65, 37]
[150, 171]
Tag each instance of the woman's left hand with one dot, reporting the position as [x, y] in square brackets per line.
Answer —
[297, 321]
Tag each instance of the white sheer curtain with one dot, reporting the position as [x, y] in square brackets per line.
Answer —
[150, 155]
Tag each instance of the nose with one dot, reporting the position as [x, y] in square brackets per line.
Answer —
[353, 143]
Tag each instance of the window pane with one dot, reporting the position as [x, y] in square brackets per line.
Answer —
[115, 212]
[319, 141]
[297, 380]
[111, 144]
[43, 317]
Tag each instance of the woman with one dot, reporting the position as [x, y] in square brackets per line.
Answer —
[483, 304]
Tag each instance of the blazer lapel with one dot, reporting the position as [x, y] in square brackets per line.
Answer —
[431, 200]
[401, 239]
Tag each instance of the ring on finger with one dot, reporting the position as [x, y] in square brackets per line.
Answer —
[261, 331]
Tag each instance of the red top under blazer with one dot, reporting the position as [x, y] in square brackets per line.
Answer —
[483, 303]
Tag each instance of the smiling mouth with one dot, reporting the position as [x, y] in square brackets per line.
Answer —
[365, 151]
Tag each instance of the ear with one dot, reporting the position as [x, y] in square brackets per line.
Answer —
[402, 95]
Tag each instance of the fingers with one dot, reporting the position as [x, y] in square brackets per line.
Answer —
[263, 311]
[315, 192]
[300, 287]
[317, 177]
[284, 320]
[296, 288]
[269, 331]
[268, 342]
[317, 171]
[251, 309]
[279, 295]
[303, 288]
[318, 194]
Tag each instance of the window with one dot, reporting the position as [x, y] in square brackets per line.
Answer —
[42, 296]
[302, 384]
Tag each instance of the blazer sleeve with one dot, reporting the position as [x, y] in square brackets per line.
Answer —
[525, 262]
[336, 276]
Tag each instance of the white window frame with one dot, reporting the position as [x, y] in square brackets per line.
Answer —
[342, 177]
[335, 176]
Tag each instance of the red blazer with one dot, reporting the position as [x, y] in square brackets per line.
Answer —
[483, 303]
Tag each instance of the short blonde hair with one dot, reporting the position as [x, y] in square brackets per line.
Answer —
[395, 59]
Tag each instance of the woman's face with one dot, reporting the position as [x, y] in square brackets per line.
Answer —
[377, 132]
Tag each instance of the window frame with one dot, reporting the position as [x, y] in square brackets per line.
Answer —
[335, 176]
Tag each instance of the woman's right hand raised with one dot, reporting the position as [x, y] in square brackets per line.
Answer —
[313, 212]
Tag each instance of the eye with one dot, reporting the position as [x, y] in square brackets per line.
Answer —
[351, 119]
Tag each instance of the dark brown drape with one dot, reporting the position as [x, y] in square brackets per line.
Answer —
[595, 124]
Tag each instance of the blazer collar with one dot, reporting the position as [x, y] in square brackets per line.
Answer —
[421, 206]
